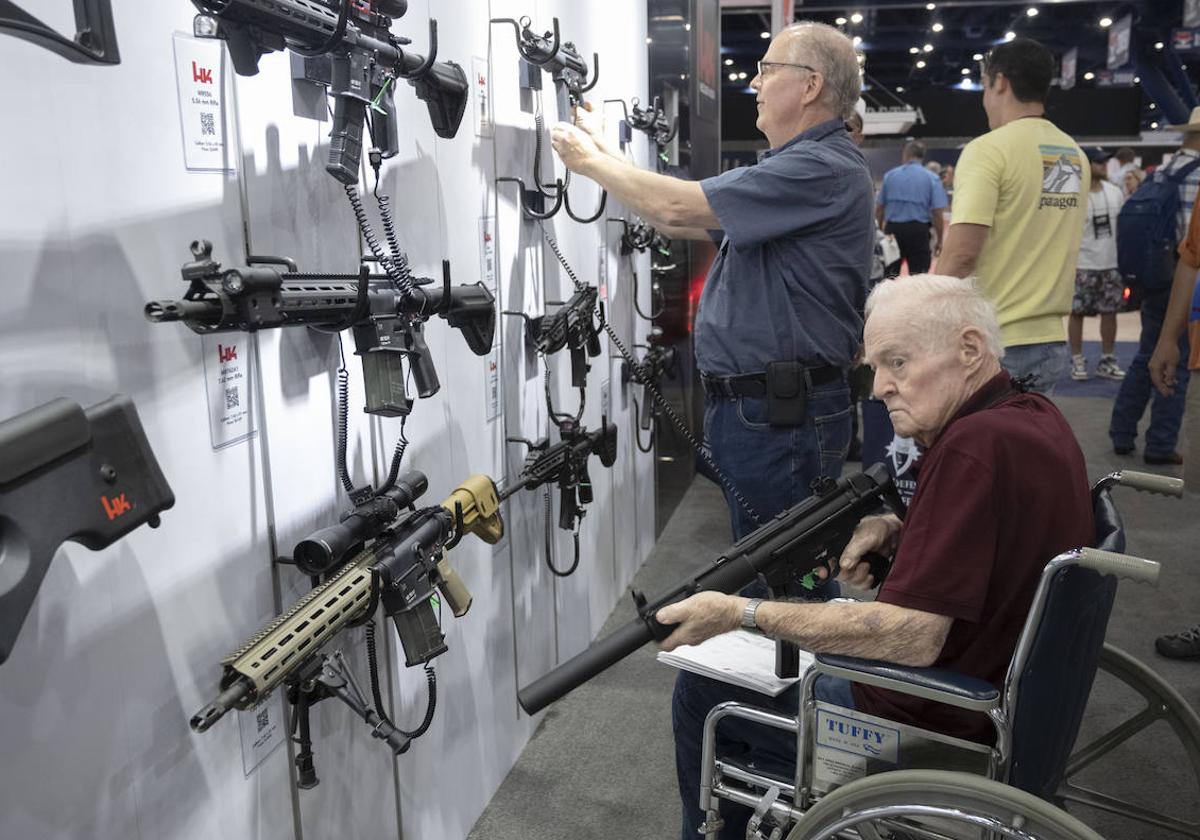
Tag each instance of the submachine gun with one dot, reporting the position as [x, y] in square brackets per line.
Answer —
[565, 464]
[387, 321]
[366, 61]
[650, 121]
[569, 73]
[67, 473]
[574, 326]
[784, 551]
[401, 568]
[658, 361]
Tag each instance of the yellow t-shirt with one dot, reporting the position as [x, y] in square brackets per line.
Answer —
[1028, 182]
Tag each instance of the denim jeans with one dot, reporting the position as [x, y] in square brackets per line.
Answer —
[1047, 362]
[768, 749]
[1166, 413]
[774, 466]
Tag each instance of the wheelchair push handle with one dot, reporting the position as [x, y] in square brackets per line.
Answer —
[1151, 483]
[1121, 565]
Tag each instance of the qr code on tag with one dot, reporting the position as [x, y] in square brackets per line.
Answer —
[208, 124]
[262, 719]
[231, 397]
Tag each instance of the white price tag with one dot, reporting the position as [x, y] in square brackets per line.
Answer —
[602, 273]
[481, 95]
[492, 383]
[227, 380]
[487, 252]
[262, 731]
[199, 81]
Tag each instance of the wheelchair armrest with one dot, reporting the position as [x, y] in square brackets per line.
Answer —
[930, 683]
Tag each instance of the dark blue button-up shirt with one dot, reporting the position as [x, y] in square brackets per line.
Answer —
[790, 278]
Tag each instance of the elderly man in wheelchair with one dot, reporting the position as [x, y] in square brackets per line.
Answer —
[934, 670]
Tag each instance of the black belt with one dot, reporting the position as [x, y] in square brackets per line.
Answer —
[755, 384]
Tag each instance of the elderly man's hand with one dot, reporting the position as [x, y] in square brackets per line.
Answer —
[574, 146]
[879, 534]
[1162, 366]
[590, 121]
[700, 617]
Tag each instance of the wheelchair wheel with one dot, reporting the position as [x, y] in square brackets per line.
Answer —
[914, 804]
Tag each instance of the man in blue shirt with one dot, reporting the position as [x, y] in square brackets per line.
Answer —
[780, 317]
[910, 201]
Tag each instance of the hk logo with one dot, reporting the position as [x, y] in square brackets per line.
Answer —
[201, 74]
[115, 507]
[226, 354]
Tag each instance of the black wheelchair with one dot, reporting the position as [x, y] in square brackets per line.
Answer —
[926, 785]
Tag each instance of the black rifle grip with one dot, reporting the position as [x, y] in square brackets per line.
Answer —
[420, 362]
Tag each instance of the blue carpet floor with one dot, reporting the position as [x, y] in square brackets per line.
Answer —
[1095, 386]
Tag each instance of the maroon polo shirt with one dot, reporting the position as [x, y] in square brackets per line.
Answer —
[1001, 491]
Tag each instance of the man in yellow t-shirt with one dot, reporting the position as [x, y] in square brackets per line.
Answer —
[1020, 198]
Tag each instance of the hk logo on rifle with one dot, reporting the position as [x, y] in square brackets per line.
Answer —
[226, 354]
[115, 507]
[201, 74]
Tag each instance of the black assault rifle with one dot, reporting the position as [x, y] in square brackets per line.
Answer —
[785, 550]
[387, 321]
[69, 474]
[402, 568]
[366, 61]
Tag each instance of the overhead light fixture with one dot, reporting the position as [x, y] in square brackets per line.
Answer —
[929, 7]
[977, 57]
[1137, 80]
[937, 27]
[1009, 35]
[1088, 76]
[683, 76]
[649, 40]
[741, 75]
[764, 35]
[1105, 22]
[841, 21]
[900, 88]
[729, 62]
[857, 40]
[1154, 125]
[1031, 11]
[913, 50]
[856, 17]
[733, 77]
[687, 27]
[966, 71]
[921, 64]
[1158, 45]
[928, 48]
[1152, 106]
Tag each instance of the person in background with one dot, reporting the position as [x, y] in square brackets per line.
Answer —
[1179, 340]
[948, 181]
[1020, 195]
[1099, 288]
[1133, 179]
[911, 202]
[1166, 411]
[1123, 160]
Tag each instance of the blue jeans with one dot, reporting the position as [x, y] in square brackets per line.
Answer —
[1046, 362]
[768, 749]
[1166, 413]
[774, 466]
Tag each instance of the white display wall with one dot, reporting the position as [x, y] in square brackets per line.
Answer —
[123, 645]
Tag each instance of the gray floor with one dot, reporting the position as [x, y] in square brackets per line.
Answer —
[600, 765]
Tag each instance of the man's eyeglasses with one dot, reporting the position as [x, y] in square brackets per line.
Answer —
[763, 65]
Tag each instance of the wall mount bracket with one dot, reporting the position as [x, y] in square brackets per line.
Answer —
[95, 39]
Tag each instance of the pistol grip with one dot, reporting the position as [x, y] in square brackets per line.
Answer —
[423, 371]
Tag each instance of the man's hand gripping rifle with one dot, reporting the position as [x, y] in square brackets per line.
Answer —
[400, 569]
[367, 61]
[387, 321]
[784, 551]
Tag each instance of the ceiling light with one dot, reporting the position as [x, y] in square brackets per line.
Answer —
[899, 88]
[764, 35]
[1088, 76]
[921, 64]
[1031, 11]
[687, 27]
[857, 40]
[683, 76]
[649, 40]
[1105, 22]
[741, 75]
[733, 77]
[729, 62]
[1152, 106]
[928, 48]
[966, 71]
[840, 21]
[1154, 125]
[937, 27]
[856, 17]
[1158, 45]
[929, 7]
[1137, 80]
[1009, 35]
[913, 50]
[977, 57]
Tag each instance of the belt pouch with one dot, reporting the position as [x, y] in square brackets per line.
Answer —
[787, 397]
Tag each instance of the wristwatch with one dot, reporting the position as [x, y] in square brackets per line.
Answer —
[748, 612]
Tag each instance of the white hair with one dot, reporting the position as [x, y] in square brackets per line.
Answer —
[834, 57]
[942, 307]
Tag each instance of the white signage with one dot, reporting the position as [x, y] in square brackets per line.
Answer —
[487, 252]
[857, 737]
[227, 379]
[262, 731]
[481, 96]
[492, 383]
[602, 273]
[199, 80]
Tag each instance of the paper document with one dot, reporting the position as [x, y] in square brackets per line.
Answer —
[740, 658]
